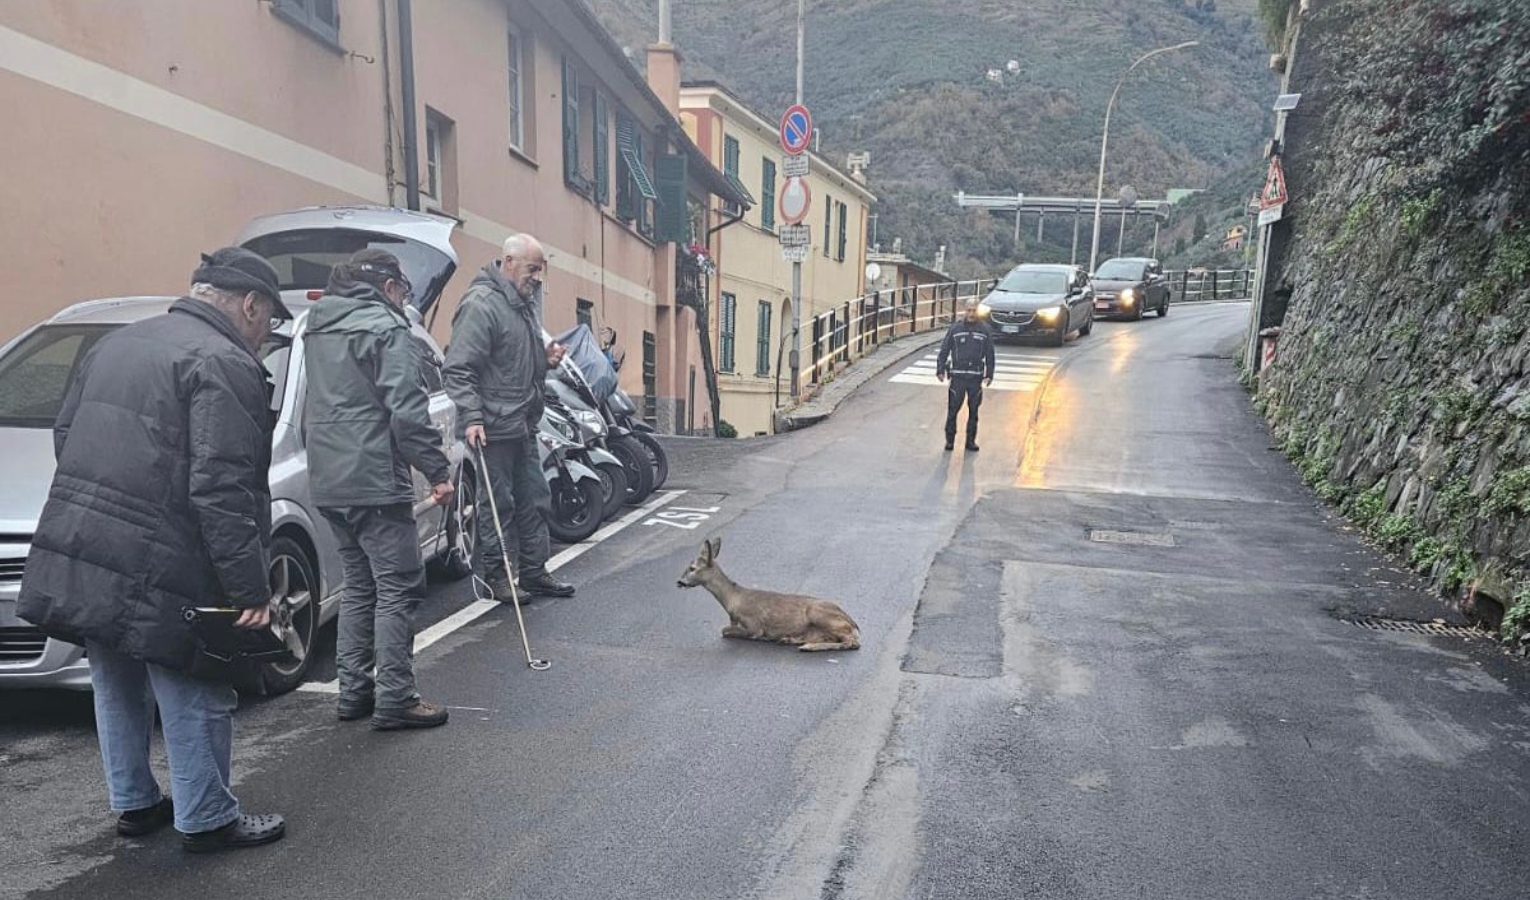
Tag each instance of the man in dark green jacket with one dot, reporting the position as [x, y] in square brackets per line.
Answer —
[366, 421]
[496, 367]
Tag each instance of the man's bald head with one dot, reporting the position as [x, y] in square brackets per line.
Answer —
[523, 263]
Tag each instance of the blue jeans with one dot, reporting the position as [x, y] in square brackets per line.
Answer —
[197, 718]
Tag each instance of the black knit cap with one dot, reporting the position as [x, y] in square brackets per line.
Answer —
[239, 270]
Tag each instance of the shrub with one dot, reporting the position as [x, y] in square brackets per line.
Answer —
[725, 429]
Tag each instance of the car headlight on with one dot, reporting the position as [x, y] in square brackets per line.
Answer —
[985, 310]
[1129, 296]
[1049, 314]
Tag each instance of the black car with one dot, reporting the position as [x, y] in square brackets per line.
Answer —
[1041, 301]
[1130, 286]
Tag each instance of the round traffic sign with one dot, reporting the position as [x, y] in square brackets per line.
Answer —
[796, 129]
[795, 201]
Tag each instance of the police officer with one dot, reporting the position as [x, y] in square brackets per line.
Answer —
[967, 355]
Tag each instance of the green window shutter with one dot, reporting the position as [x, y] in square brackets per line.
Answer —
[768, 195]
[730, 165]
[626, 198]
[570, 124]
[844, 213]
[669, 183]
[762, 341]
[644, 185]
[602, 152]
[725, 331]
[828, 222]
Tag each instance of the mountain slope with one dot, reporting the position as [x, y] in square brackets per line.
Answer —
[908, 81]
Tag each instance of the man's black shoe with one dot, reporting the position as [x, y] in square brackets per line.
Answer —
[245, 831]
[950, 445]
[420, 715]
[497, 582]
[351, 710]
[545, 584]
[972, 447]
[139, 822]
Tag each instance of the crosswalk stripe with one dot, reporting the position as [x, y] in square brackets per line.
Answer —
[1012, 372]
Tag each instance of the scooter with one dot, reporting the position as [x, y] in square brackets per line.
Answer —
[622, 412]
[576, 390]
[590, 430]
[577, 498]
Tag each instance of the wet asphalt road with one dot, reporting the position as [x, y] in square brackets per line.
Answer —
[1102, 658]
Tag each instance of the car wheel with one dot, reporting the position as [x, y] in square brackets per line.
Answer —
[1163, 307]
[456, 561]
[1056, 339]
[1137, 312]
[294, 600]
[1088, 326]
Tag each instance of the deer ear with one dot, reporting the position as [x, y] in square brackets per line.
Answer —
[706, 552]
[716, 546]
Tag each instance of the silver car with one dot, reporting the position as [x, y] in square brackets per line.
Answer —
[35, 371]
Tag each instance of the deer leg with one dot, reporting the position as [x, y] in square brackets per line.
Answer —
[829, 645]
[735, 631]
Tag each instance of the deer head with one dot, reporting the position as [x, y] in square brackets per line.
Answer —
[706, 561]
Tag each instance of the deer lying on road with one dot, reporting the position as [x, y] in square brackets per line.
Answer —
[756, 615]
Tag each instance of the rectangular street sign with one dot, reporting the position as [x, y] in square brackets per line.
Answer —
[795, 235]
[1272, 215]
[794, 166]
[795, 254]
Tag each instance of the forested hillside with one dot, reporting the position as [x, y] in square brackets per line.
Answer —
[909, 81]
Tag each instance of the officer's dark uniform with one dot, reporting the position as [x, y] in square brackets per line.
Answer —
[967, 355]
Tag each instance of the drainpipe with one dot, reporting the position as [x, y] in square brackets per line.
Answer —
[411, 125]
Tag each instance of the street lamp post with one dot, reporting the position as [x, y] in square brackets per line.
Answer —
[1099, 187]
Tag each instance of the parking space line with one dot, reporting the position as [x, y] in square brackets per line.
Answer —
[478, 608]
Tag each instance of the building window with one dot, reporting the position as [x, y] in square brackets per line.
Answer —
[828, 223]
[768, 195]
[432, 157]
[584, 312]
[634, 188]
[762, 341]
[320, 18]
[844, 214]
[517, 60]
[726, 325]
[730, 167]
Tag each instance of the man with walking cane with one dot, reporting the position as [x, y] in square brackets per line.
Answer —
[496, 365]
[367, 420]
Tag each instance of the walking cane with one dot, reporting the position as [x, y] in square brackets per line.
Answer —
[538, 665]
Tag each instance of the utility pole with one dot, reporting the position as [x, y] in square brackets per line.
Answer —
[796, 359]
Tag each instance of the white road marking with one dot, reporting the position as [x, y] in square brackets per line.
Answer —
[1012, 372]
[478, 608]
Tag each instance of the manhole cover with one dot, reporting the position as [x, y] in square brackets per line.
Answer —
[1144, 538]
[1410, 626]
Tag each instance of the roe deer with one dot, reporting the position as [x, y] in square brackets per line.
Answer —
[756, 615]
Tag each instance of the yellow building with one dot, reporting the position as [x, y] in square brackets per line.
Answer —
[750, 296]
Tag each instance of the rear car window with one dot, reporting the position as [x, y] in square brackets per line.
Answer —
[35, 375]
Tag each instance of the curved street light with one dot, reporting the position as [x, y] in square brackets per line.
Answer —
[1099, 187]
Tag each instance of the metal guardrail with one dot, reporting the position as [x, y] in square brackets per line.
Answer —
[856, 327]
[1209, 284]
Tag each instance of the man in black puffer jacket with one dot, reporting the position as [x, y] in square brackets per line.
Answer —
[161, 501]
[367, 418]
[967, 355]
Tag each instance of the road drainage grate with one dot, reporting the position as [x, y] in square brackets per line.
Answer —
[1143, 538]
[1411, 626]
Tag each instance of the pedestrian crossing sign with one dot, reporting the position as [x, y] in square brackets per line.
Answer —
[1274, 193]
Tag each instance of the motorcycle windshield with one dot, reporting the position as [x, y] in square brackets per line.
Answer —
[583, 351]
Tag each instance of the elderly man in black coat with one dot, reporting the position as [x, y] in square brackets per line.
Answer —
[161, 501]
